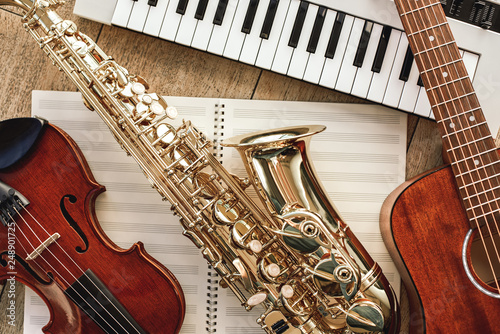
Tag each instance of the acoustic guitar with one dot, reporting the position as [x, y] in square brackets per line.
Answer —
[441, 228]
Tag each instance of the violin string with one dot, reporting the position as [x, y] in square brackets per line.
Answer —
[458, 118]
[62, 277]
[488, 166]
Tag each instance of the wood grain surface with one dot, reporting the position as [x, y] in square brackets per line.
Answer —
[170, 70]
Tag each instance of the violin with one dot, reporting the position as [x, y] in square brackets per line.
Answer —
[51, 241]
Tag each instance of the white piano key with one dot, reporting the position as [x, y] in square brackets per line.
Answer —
[380, 80]
[410, 90]
[252, 40]
[317, 60]
[423, 106]
[236, 37]
[171, 22]
[395, 86]
[300, 55]
[187, 25]
[470, 61]
[331, 68]
[220, 33]
[364, 74]
[204, 28]
[284, 52]
[122, 13]
[155, 18]
[348, 70]
[268, 46]
[138, 15]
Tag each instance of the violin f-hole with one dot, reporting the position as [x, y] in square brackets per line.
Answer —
[72, 199]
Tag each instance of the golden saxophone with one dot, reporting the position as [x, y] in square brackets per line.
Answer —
[297, 259]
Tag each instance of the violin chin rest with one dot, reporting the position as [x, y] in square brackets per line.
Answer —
[17, 136]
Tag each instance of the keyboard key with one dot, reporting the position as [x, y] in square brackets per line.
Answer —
[380, 80]
[331, 69]
[363, 44]
[300, 54]
[171, 22]
[220, 12]
[236, 37]
[181, 7]
[298, 24]
[381, 49]
[317, 29]
[122, 13]
[138, 15]
[250, 16]
[152, 3]
[317, 60]
[269, 19]
[407, 65]
[253, 40]
[348, 70]
[221, 31]
[201, 9]
[155, 18]
[395, 86]
[335, 36]
[410, 90]
[364, 74]
[187, 25]
[204, 27]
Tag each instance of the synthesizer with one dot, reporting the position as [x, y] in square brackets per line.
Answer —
[355, 47]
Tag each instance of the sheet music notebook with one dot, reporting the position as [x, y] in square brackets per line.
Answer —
[360, 159]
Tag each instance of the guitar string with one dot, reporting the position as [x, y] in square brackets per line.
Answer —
[68, 270]
[488, 165]
[459, 120]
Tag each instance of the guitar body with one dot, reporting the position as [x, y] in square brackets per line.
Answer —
[424, 224]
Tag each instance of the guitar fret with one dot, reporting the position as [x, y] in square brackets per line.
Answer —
[427, 29]
[434, 48]
[443, 65]
[475, 155]
[482, 204]
[468, 143]
[478, 181]
[483, 215]
[454, 99]
[481, 193]
[418, 9]
[472, 171]
[464, 129]
[458, 115]
[447, 83]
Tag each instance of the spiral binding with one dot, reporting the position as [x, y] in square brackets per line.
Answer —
[212, 294]
[218, 130]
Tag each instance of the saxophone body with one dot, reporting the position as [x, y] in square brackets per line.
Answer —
[292, 255]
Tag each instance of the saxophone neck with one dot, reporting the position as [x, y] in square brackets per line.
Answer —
[37, 12]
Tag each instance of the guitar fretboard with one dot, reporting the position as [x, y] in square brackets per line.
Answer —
[466, 136]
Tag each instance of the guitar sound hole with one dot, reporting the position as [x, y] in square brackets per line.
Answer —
[480, 262]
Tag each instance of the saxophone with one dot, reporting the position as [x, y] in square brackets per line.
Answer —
[296, 257]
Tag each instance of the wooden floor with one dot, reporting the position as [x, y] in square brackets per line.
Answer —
[170, 70]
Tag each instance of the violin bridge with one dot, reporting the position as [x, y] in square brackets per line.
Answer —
[50, 240]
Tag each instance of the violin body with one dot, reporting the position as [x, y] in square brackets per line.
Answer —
[424, 224]
[133, 288]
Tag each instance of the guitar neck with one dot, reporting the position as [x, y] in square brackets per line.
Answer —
[465, 134]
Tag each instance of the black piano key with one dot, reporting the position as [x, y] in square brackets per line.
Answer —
[181, 7]
[200, 10]
[219, 13]
[249, 16]
[298, 24]
[152, 2]
[419, 82]
[316, 30]
[381, 49]
[405, 70]
[363, 44]
[269, 19]
[334, 37]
